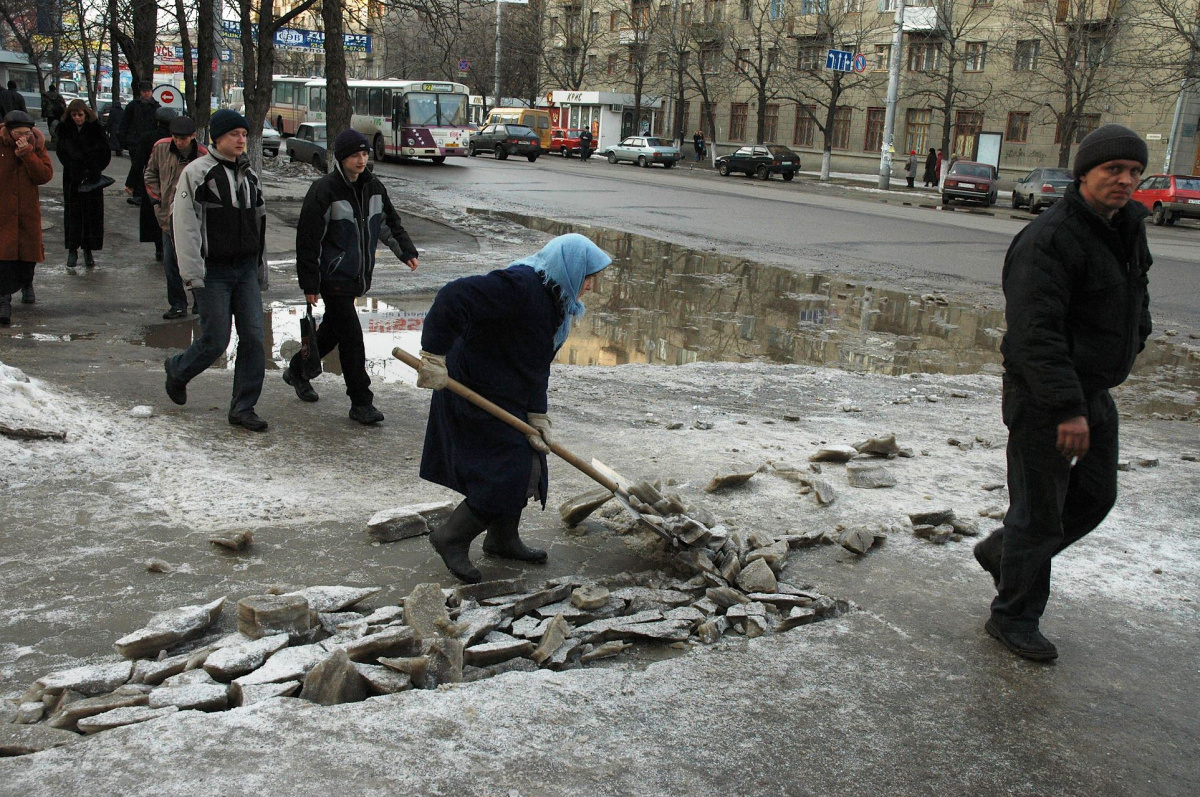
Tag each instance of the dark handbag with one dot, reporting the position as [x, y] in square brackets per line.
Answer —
[310, 354]
[101, 182]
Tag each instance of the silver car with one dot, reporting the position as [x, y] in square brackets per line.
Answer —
[1040, 188]
[644, 150]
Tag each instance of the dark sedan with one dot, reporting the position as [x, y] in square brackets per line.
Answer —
[503, 140]
[761, 161]
[308, 145]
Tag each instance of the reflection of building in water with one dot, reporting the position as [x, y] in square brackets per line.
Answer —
[659, 303]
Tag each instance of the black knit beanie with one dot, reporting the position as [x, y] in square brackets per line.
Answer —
[349, 142]
[1109, 143]
[225, 120]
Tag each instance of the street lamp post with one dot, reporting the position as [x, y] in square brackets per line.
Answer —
[889, 119]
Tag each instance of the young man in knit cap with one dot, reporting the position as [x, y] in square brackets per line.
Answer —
[345, 214]
[167, 161]
[1078, 313]
[220, 224]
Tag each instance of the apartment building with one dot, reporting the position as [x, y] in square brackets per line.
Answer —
[1041, 73]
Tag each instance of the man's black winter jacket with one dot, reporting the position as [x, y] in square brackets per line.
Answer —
[1077, 305]
[340, 225]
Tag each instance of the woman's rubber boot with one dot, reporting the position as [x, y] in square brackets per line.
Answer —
[452, 541]
[503, 541]
[5, 310]
[72, 258]
[88, 260]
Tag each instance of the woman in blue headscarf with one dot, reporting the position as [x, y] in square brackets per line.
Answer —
[497, 333]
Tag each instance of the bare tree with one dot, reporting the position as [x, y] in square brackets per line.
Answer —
[21, 19]
[138, 43]
[755, 49]
[338, 110]
[637, 26]
[1075, 57]
[710, 82]
[571, 44]
[823, 93]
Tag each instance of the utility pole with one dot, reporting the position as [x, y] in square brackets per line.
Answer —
[889, 118]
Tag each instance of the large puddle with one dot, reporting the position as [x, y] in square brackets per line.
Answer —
[664, 304]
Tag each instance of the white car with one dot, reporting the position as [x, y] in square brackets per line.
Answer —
[270, 140]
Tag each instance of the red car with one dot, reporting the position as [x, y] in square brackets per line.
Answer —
[1170, 197]
[565, 141]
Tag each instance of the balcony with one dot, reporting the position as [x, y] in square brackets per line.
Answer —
[808, 26]
[566, 42]
[1088, 13]
[706, 31]
[628, 36]
[921, 19]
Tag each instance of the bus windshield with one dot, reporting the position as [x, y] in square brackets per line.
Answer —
[437, 109]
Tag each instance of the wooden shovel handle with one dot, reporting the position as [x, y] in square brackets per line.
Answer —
[512, 420]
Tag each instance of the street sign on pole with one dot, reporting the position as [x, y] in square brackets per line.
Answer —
[463, 65]
[860, 63]
[839, 60]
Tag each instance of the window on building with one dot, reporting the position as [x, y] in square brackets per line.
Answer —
[747, 7]
[640, 14]
[1087, 123]
[1093, 52]
[594, 22]
[810, 57]
[662, 59]
[916, 129]
[743, 60]
[771, 123]
[982, 2]
[976, 56]
[812, 7]
[924, 56]
[710, 56]
[840, 134]
[714, 11]
[1025, 58]
[614, 20]
[883, 57]
[591, 62]
[873, 140]
[776, 11]
[967, 126]
[612, 63]
[1017, 128]
[804, 130]
[685, 14]
[851, 6]
[664, 14]
[737, 120]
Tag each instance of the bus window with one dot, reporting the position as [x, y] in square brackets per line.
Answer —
[422, 109]
[387, 103]
[453, 109]
[283, 94]
[361, 106]
[376, 102]
[316, 99]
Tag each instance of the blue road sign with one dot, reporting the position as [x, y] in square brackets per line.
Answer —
[839, 60]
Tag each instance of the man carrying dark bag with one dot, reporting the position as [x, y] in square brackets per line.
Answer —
[345, 214]
[1078, 312]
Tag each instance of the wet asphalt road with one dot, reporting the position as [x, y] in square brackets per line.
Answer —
[799, 224]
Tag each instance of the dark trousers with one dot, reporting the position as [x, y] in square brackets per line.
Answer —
[230, 296]
[176, 292]
[1051, 504]
[341, 329]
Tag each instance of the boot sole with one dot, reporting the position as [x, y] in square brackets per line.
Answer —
[1032, 655]
[538, 559]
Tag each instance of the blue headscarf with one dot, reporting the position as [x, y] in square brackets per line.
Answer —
[566, 261]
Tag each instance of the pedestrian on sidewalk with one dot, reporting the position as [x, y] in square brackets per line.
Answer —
[167, 161]
[137, 121]
[930, 176]
[149, 228]
[220, 226]
[1078, 312]
[11, 100]
[24, 165]
[497, 333]
[344, 216]
[53, 108]
[910, 171]
[585, 145]
[84, 153]
[698, 143]
[937, 170]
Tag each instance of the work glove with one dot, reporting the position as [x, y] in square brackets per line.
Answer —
[541, 441]
[432, 373]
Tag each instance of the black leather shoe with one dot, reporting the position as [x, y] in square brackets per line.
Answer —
[452, 541]
[248, 420]
[365, 414]
[1027, 644]
[176, 390]
[27, 295]
[304, 388]
[504, 542]
[988, 561]
[174, 313]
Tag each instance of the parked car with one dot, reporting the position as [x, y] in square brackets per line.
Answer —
[972, 181]
[270, 140]
[644, 150]
[1170, 197]
[1041, 188]
[760, 160]
[308, 145]
[565, 141]
[503, 140]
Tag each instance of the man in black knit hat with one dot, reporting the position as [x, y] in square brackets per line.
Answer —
[1078, 313]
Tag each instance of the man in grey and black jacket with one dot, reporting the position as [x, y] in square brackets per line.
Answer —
[220, 224]
[1078, 313]
[345, 214]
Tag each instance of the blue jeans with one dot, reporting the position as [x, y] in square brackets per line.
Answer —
[176, 292]
[230, 296]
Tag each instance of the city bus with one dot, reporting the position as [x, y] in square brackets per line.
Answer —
[404, 118]
[289, 103]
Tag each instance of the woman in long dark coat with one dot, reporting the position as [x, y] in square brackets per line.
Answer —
[149, 230]
[930, 165]
[84, 153]
[497, 333]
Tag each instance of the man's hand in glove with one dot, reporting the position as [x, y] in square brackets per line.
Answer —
[432, 373]
[541, 441]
